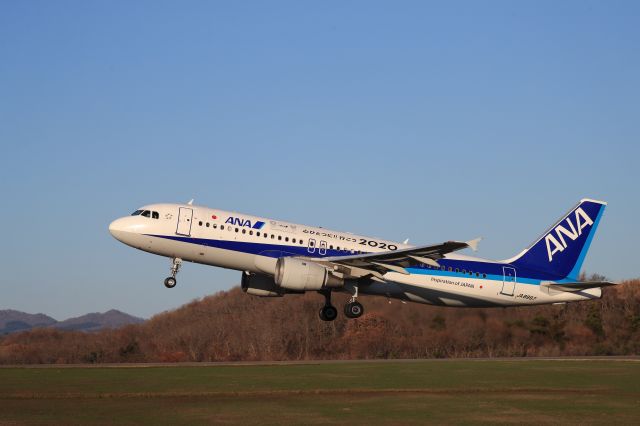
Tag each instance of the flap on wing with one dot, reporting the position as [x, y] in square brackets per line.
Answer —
[376, 264]
[577, 286]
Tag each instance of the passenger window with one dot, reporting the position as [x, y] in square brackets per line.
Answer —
[463, 271]
[286, 239]
[293, 241]
[215, 226]
[258, 233]
[236, 229]
[250, 232]
[450, 269]
[266, 235]
[207, 224]
[457, 269]
[155, 215]
[443, 268]
[244, 231]
[200, 223]
[279, 237]
[484, 275]
[330, 247]
[146, 213]
[222, 227]
[273, 236]
[301, 242]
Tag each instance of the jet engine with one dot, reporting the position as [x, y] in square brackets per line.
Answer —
[260, 285]
[298, 274]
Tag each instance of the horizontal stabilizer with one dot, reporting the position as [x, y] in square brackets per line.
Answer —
[577, 286]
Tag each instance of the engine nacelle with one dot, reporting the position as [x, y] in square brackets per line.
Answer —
[298, 274]
[260, 285]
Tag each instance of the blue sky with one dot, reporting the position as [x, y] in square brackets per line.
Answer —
[420, 120]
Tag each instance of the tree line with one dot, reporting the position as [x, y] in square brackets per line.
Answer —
[231, 326]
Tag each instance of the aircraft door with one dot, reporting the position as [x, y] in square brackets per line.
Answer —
[508, 281]
[323, 248]
[185, 217]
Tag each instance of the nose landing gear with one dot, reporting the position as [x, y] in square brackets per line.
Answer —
[170, 282]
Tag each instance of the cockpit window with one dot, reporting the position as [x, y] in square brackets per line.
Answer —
[146, 213]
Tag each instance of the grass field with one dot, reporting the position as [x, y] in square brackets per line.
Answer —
[459, 392]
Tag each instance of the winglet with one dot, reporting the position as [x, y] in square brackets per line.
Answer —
[406, 241]
[190, 202]
[473, 244]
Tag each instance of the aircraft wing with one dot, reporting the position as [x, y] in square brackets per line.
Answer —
[377, 264]
[578, 286]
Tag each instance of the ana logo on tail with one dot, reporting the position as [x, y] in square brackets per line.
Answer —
[557, 243]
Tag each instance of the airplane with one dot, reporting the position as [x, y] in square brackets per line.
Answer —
[279, 258]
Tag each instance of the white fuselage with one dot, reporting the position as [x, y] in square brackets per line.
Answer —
[254, 244]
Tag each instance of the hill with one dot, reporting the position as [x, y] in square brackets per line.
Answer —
[232, 326]
[12, 321]
[98, 321]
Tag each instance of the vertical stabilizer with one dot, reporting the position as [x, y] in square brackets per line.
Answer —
[560, 252]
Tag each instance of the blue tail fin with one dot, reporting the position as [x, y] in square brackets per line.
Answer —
[559, 253]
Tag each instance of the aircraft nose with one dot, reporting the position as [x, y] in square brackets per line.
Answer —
[118, 228]
[115, 226]
[128, 229]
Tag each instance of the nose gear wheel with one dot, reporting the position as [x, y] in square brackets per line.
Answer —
[170, 282]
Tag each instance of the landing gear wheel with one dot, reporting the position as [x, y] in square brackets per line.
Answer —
[170, 282]
[353, 310]
[328, 313]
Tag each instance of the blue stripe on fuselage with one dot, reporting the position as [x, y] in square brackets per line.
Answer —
[493, 271]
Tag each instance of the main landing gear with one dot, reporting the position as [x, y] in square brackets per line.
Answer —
[353, 309]
[170, 282]
[328, 312]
